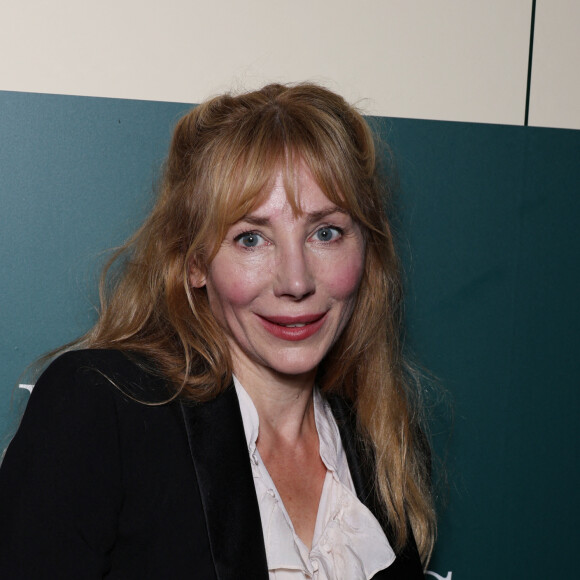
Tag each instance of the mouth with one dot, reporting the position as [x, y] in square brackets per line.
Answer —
[293, 328]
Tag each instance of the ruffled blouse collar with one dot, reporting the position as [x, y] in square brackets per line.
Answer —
[348, 542]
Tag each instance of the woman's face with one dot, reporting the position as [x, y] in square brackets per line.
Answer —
[283, 286]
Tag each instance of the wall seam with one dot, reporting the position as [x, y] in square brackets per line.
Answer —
[530, 60]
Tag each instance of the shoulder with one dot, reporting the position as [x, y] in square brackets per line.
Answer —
[91, 358]
[101, 373]
[91, 392]
[89, 458]
[94, 407]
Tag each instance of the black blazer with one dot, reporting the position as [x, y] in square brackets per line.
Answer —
[98, 485]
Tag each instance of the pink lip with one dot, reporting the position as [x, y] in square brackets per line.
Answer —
[312, 323]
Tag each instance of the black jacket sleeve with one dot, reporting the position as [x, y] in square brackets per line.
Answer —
[60, 481]
[97, 483]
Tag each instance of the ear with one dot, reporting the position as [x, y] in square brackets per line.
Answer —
[197, 277]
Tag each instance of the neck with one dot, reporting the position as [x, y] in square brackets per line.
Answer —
[284, 403]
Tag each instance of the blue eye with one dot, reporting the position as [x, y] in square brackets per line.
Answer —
[249, 239]
[327, 234]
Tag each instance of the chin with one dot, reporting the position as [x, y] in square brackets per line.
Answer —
[296, 366]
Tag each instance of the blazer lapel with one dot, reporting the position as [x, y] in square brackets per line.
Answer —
[407, 565]
[360, 470]
[220, 456]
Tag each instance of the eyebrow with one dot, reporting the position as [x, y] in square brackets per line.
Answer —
[311, 217]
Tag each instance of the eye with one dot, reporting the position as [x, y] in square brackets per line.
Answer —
[327, 234]
[249, 239]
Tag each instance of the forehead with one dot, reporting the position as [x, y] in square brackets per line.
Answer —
[295, 192]
[290, 188]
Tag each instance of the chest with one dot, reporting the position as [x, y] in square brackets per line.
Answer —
[299, 480]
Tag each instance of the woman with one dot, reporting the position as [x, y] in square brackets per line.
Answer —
[241, 408]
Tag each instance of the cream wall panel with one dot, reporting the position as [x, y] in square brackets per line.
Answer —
[437, 59]
[555, 87]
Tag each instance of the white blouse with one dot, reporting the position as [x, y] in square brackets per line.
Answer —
[348, 542]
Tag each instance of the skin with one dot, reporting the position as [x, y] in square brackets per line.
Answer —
[275, 269]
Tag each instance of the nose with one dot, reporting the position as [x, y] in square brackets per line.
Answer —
[294, 277]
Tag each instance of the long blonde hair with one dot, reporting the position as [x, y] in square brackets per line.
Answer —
[223, 155]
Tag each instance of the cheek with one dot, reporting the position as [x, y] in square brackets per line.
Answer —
[230, 286]
[344, 278]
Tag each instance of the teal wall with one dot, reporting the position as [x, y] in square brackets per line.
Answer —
[491, 214]
[488, 233]
[76, 176]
